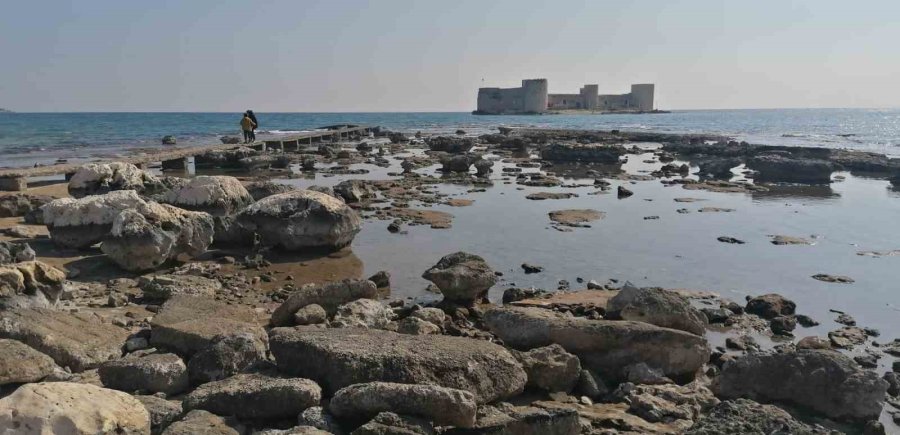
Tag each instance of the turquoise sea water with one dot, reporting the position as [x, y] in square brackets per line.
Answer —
[29, 138]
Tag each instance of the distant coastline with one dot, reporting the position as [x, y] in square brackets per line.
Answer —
[2, 110]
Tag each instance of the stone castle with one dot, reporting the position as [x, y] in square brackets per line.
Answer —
[533, 97]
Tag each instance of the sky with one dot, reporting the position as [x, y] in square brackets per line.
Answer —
[399, 55]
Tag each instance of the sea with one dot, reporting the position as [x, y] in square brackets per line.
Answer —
[41, 138]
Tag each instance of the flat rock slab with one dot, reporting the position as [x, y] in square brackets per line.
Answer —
[255, 396]
[161, 372]
[576, 217]
[605, 346]
[78, 341]
[587, 299]
[337, 358]
[187, 324]
[443, 406]
[20, 364]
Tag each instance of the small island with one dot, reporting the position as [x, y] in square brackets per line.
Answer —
[2, 110]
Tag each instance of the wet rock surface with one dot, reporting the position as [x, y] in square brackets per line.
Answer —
[461, 277]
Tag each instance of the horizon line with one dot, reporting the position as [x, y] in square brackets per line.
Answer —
[10, 111]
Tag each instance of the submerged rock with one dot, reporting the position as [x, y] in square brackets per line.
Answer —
[65, 407]
[217, 195]
[462, 277]
[255, 396]
[658, 307]
[329, 296]
[337, 358]
[444, 406]
[602, 345]
[301, 219]
[820, 380]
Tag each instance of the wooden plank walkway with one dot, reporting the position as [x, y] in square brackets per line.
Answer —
[12, 179]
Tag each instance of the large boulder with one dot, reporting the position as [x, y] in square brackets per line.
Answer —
[70, 408]
[450, 144]
[363, 313]
[78, 341]
[658, 307]
[79, 223]
[389, 423]
[605, 346]
[594, 153]
[770, 306]
[263, 189]
[30, 284]
[163, 287]
[217, 195]
[329, 296]
[156, 373]
[461, 277]
[444, 406]
[550, 368]
[459, 163]
[20, 364]
[337, 358]
[777, 168]
[188, 324]
[162, 412]
[301, 219]
[101, 178]
[255, 396]
[744, 416]
[145, 239]
[820, 380]
[223, 158]
[227, 356]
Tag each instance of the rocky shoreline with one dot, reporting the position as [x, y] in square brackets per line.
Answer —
[137, 302]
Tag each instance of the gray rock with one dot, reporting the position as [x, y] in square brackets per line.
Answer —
[353, 191]
[893, 380]
[227, 356]
[188, 324]
[667, 403]
[820, 380]
[255, 396]
[312, 314]
[15, 252]
[657, 307]
[77, 341]
[262, 189]
[362, 313]
[21, 204]
[789, 170]
[199, 422]
[317, 417]
[163, 287]
[590, 385]
[30, 284]
[72, 408]
[223, 158]
[742, 416]
[483, 167]
[583, 153]
[21, 364]
[443, 406]
[550, 368]
[301, 219]
[416, 326]
[382, 279]
[156, 373]
[217, 195]
[523, 420]
[431, 315]
[162, 412]
[340, 357]
[389, 423]
[640, 373]
[459, 163]
[328, 295]
[602, 345]
[770, 306]
[296, 430]
[450, 144]
[462, 277]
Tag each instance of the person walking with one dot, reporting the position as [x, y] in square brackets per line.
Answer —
[247, 126]
[255, 124]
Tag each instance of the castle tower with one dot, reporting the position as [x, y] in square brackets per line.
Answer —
[589, 98]
[534, 95]
[642, 96]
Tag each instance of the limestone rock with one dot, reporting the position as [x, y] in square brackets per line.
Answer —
[583, 153]
[820, 380]
[550, 368]
[263, 189]
[389, 423]
[255, 396]
[746, 417]
[770, 306]
[79, 223]
[199, 422]
[21, 204]
[30, 284]
[317, 417]
[450, 144]
[102, 178]
[337, 358]
[601, 345]
[64, 407]
[77, 341]
[416, 326]
[657, 307]
[301, 219]
[363, 313]
[21, 364]
[15, 252]
[188, 324]
[162, 412]
[461, 277]
[156, 373]
[459, 163]
[353, 191]
[227, 356]
[329, 296]
[312, 314]
[145, 239]
[667, 402]
[778, 168]
[223, 158]
[217, 195]
[163, 287]
[443, 406]
[519, 420]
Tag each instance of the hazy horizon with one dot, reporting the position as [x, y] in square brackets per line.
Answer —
[403, 56]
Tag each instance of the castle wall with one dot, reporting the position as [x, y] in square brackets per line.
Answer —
[642, 96]
[614, 102]
[530, 98]
[564, 101]
[533, 97]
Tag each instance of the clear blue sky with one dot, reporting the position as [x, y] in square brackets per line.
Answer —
[333, 55]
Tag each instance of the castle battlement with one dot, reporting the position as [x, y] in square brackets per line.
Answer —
[533, 97]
